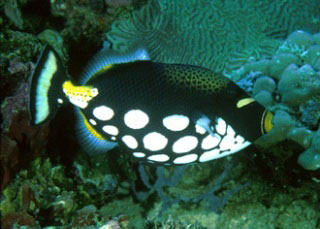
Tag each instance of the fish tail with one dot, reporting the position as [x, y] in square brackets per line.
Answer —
[46, 93]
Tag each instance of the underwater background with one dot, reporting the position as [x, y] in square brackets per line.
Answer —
[271, 48]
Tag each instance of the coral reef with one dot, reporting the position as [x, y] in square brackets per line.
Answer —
[214, 33]
[44, 195]
[176, 180]
[43, 183]
[20, 142]
[294, 66]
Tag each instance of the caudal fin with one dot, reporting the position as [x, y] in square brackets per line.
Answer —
[46, 94]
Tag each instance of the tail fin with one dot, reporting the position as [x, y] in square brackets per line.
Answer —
[46, 94]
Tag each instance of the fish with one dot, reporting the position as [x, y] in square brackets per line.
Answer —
[159, 113]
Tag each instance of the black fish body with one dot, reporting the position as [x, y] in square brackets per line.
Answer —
[160, 113]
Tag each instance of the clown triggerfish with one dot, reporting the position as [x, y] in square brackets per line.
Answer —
[165, 114]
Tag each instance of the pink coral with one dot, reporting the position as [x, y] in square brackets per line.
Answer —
[17, 218]
[16, 66]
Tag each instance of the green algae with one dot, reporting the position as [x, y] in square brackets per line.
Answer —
[45, 181]
[259, 203]
[55, 40]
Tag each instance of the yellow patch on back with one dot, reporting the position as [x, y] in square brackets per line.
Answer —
[244, 102]
[90, 128]
[79, 95]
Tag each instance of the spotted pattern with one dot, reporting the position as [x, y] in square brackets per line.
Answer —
[227, 144]
[189, 158]
[155, 141]
[185, 144]
[196, 78]
[111, 130]
[136, 119]
[176, 122]
[221, 126]
[200, 129]
[139, 154]
[130, 141]
[210, 155]
[79, 95]
[210, 141]
[103, 113]
[159, 157]
[93, 122]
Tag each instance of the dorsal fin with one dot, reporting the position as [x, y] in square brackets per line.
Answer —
[107, 57]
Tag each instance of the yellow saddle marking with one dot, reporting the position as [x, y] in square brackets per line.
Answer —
[79, 95]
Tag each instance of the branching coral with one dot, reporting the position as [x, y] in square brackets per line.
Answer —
[184, 184]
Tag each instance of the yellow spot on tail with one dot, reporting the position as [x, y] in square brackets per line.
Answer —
[244, 102]
[266, 122]
[90, 128]
[79, 95]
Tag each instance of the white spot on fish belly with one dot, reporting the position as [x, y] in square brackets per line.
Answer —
[186, 159]
[176, 122]
[200, 129]
[210, 141]
[232, 144]
[136, 119]
[210, 155]
[130, 141]
[138, 154]
[228, 141]
[228, 145]
[103, 113]
[155, 141]
[185, 144]
[159, 158]
[230, 131]
[92, 121]
[221, 126]
[111, 130]
[203, 125]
